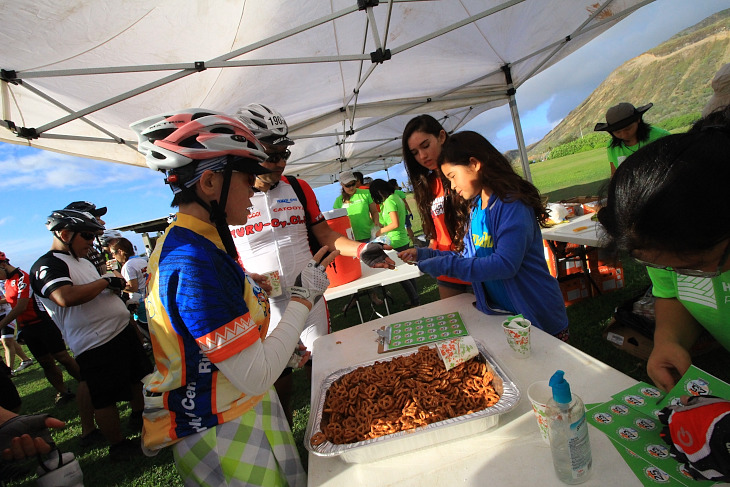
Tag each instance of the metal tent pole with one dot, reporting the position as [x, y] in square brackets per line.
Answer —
[516, 122]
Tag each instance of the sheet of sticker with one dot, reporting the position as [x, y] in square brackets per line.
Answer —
[421, 331]
[630, 421]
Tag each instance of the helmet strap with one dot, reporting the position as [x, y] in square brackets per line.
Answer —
[57, 234]
[217, 211]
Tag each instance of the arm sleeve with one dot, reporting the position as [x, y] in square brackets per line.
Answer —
[254, 369]
[428, 253]
[338, 203]
[512, 237]
[209, 298]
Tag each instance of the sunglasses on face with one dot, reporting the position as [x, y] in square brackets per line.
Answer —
[278, 156]
[250, 177]
[692, 272]
[87, 235]
[350, 185]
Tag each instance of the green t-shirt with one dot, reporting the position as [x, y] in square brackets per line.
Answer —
[706, 299]
[399, 236]
[358, 209]
[617, 155]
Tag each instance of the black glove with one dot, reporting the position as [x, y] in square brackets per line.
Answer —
[34, 426]
[699, 435]
[311, 283]
[371, 253]
[116, 284]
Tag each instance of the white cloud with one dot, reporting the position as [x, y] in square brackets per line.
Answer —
[41, 170]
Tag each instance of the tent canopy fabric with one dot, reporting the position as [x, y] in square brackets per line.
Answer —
[346, 74]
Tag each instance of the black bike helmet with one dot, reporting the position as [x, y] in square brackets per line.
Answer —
[77, 221]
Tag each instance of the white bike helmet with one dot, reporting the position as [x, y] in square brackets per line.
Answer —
[172, 141]
[109, 235]
[186, 143]
[267, 124]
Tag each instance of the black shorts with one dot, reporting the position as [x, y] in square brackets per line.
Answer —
[43, 338]
[9, 397]
[111, 369]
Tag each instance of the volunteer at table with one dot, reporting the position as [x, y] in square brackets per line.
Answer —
[668, 207]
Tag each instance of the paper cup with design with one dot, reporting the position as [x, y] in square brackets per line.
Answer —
[457, 351]
[275, 281]
[539, 394]
[517, 330]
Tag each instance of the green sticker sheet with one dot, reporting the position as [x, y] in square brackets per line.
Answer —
[629, 419]
[425, 330]
[696, 382]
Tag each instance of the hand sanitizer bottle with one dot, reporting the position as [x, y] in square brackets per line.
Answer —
[568, 431]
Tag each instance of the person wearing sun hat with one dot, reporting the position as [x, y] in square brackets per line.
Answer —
[629, 132]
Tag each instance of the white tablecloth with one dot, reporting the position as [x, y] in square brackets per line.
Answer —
[513, 453]
[375, 277]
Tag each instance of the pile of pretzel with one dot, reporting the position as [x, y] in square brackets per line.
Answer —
[401, 394]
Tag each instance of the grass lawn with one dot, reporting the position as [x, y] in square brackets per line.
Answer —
[581, 174]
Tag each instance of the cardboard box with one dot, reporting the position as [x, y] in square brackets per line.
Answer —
[566, 263]
[609, 279]
[574, 288]
[639, 345]
[628, 339]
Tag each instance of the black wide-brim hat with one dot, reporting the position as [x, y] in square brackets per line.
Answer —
[620, 116]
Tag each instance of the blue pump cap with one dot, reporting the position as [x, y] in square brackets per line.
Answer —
[561, 388]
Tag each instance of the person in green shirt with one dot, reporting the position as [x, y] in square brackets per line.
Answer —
[360, 207]
[628, 130]
[668, 208]
[409, 214]
[393, 221]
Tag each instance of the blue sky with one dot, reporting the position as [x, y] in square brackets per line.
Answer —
[37, 182]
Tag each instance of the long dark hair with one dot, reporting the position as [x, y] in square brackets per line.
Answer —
[380, 190]
[671, 195]
[642, 134]
[495, 173]
[419, 175]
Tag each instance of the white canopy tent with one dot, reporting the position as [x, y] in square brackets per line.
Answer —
[346, 74]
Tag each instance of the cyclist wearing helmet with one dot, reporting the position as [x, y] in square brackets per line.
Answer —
[210, 396]
[95, 255]
[106, 240]
[94, 323]
[276, 237]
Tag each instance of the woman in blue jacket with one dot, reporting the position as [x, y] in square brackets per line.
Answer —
[499, 240]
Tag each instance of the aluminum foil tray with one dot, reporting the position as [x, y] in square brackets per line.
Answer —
[422, 437]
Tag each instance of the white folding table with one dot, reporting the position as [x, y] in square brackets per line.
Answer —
[375, 277]
[513, 453]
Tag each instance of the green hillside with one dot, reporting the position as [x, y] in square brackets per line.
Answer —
[674, 75]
